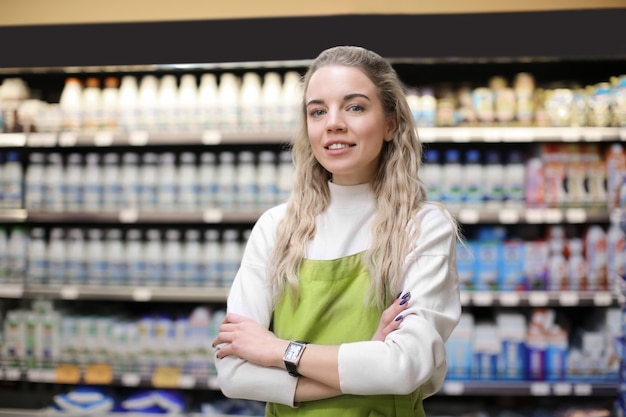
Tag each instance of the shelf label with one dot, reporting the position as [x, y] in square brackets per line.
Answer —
[482, 298]
[142, 294]
[67, 374]
[103, 139]
[539, 389]
[576, 215]
[69, 292]
[469, 216]
[131, 379]
[11, 290]
[568, 298]
[509, 299]
[553, 215]
[128, 216]
[538, 298]
[166, 377]
[453, 388]
[187, 381]
[602, 298]
[99, 374]
[211, 137]
[534, 215]
[465, 298]
[562, 388]
[508, 216]
[42, 139]
[138, 138]
[12, 374]
[12, 139]
[622, 133]
[67, 139]
[582, 389]
[212, 215]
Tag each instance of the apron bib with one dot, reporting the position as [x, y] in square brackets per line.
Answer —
[328, 313]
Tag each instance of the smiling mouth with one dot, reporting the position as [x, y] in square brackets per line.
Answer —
[336, 146]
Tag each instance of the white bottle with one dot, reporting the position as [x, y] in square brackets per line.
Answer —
[149, 172]
[75, 257]
[267, 180]
[114, 254]
[192, 258]
[514, 188]
[95, 260]
[473, 180]
[167, 187]
[207, 176]
[413, 99]
[134, 258]
[228, 102]
[131, 185]
[54, 183]
[452, 179]
[111, 182]
[11, 178]
[128, 103]
[57, 263]
[73, 183]
[231, 256]
[188, 184]
[148, 102]
[576, 266]
[70, 103]
[212, 258]
[250, 102]
[167, 105]
[616, 253]
[227, 180]
[173, 267]
[34, 182]
[596, 254]
[208, 102]
[17, 248]
[110, 99]
[4, 258]
[153, 258]
[428, 108]
[246, 182]
[187, 99]
[37, 257]
[494, 180]
[557, 279]
[291, 100]
[286, 172]
[431, 174]
[270, 101]
[92, 183]
[91, 105]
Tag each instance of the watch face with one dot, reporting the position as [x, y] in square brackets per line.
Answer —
[293, 351]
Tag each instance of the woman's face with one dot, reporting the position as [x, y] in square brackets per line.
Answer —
[346, 123]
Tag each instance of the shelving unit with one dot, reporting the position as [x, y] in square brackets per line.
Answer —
[470, 58]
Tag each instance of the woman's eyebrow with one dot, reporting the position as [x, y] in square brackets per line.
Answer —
[345, 98]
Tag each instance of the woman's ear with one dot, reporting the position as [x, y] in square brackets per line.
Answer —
[392, 128]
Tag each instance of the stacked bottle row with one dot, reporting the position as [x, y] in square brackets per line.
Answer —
[131, 257]
[42, 337]
[544, 347]
[148, 181]
[562, 175]
[520, 102]
[493, 261]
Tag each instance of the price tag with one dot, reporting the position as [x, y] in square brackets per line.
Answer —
[568, 298]
[539, 389]
[11, 290]
[187, 381]
[469, 216]
[138, 138]
[553, 215]
[622, 133]
[538, 298]
[166, 377]
[103, 139]
[12, 374]
[602, 298]
[534, 215]
[43, 139]
[465, 298]
[482, 299]
[69, 293]
[131, 379]
[128, 216]
[582, 389]
[99, 374]
[453, 388]
[571, 134]
[142, 294]
[576, 215]
[492, 134]
[593, 134]
[211, 137]
[212, 216]
[562, 389]
[67, 139]
[508, 216]
[509, 299]
[12, 139]
[67, 374]
[427, 134]
[46, 375]
[460, 135]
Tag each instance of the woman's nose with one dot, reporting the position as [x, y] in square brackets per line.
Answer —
[335, 121]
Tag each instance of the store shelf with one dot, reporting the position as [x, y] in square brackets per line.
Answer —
[539, 298]
[526, 388]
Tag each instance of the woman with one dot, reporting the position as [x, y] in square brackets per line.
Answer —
[357, 263]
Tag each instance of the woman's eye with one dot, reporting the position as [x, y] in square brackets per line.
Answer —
[356, 108]
[316, 112]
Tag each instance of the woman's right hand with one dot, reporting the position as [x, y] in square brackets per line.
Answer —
[392, 317]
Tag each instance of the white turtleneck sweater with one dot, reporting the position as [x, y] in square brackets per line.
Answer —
[412, 356]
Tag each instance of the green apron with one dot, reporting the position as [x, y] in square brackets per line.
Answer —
[326, 314]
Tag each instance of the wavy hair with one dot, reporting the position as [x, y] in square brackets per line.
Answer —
[396, 186]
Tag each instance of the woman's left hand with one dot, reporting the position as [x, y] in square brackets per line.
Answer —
[243, 337]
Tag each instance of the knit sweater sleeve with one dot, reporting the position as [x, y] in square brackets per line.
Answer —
[414, 355]
[251, 296]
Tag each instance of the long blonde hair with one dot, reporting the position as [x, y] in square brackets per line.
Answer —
[396, 186]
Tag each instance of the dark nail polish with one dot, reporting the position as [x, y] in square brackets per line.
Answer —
[404, 301]
[398, 318]
[399, 294]
[407, 295]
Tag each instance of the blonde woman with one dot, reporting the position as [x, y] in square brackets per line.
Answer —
[347, 293]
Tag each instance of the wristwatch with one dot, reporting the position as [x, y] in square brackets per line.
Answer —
[292, 356]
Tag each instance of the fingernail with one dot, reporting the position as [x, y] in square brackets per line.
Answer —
[399, 294]
[407, 295]
[398, 318]
[404, 301]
